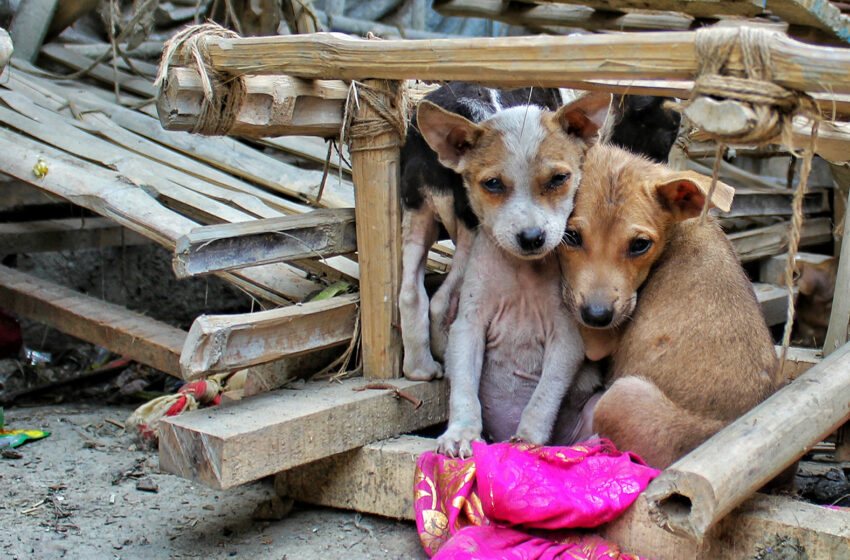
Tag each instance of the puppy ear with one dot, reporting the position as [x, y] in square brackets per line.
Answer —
[448, 134]
[585, 116]
[684, 193]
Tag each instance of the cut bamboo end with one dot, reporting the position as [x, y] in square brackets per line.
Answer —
[681, 503]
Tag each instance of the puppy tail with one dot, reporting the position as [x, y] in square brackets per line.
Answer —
[636, 416]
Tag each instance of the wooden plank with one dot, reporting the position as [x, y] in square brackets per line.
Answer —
[230, 246]
[70, 234]
[700, 8]
[29, 27]
[271, 106]
[762, 527]
[268, 433]
[537, 15]
[517, 61]
[698, 490]
[375, 170]
[755, 202]
[813, 13]
[111, 326]
[773, 301]
[102, 72]
[765, 241]
[839, 318]
[377, 478]
[772, 270]
[220, 343]
[798, 361]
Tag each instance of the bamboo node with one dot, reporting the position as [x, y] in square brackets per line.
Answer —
[223, 94]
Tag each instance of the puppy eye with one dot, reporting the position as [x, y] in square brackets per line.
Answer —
[639, 246]
[494, 185]
[572, 238]
[557, 180]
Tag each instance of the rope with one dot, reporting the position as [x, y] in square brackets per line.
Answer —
[391, 108]
[223, 94]
[772, 106]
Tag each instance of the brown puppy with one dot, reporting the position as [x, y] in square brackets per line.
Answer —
[665, 296]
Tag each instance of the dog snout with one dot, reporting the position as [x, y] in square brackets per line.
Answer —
[531, 239]
[597, 315]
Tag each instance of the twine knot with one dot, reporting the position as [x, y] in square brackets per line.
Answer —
[223, 94]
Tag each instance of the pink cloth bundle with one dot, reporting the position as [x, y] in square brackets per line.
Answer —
[484, 507]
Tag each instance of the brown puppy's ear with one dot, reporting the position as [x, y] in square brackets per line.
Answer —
[684, 193]
[585, 116]
[448, 134]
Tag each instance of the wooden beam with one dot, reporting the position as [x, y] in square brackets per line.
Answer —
[699, 8]
[757, 202]
[268, 433]
[798, 361]
[230, 246]
[70, 234]
[516, 61]
[220, 343]
[375, 171]
[818, 14]
[765, 241]
[698, 490]
[839, 318]
[761, 527]
[376, 478]
[108, 325]
[272, 105]
[772, 270]
[29, 27]
[773, 301]
[537, 15]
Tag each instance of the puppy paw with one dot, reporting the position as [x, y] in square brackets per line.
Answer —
[423, 370]
[457, 441]
[524, 434]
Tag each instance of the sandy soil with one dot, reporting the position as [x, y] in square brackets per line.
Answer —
[74, 495]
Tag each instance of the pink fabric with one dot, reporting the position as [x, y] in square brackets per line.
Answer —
[479, 507]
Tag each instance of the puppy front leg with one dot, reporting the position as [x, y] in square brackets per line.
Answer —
[464, 361]
[419, 231]
[562, 358]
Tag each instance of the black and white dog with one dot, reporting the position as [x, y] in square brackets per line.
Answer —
[434, 199]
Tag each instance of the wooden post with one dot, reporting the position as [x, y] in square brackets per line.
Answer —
[694, 493]
[375, 171]
[29, 27]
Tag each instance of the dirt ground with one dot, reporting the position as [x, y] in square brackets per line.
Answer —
[76, 494]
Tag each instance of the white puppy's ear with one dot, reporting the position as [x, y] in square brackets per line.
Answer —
[684, 194]
[585, 116]
[448, 134]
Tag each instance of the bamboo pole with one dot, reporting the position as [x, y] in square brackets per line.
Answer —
[375, 172]
[515, 61]
[697, 491]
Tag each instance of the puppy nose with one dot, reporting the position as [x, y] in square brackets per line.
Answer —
[531, 239]
[597, 315]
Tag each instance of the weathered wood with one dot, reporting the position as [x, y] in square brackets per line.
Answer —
[757, 202]
[700, 8]
[762, 527]
[272, 105]
[29, 27]
[773, 301]
[517, 61]
[839, 319]
[798, 361]
[766, 241]
[772, 270]
[268, 433]
[70, 234]
[220, 343]
[376, 478]
[230, 246]
[102, 72]
[111, 326]
[549, 14]
[147, 49]
[346, 24]
[375, 171]
[698, 490]
[276, 374]
[813, 13]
